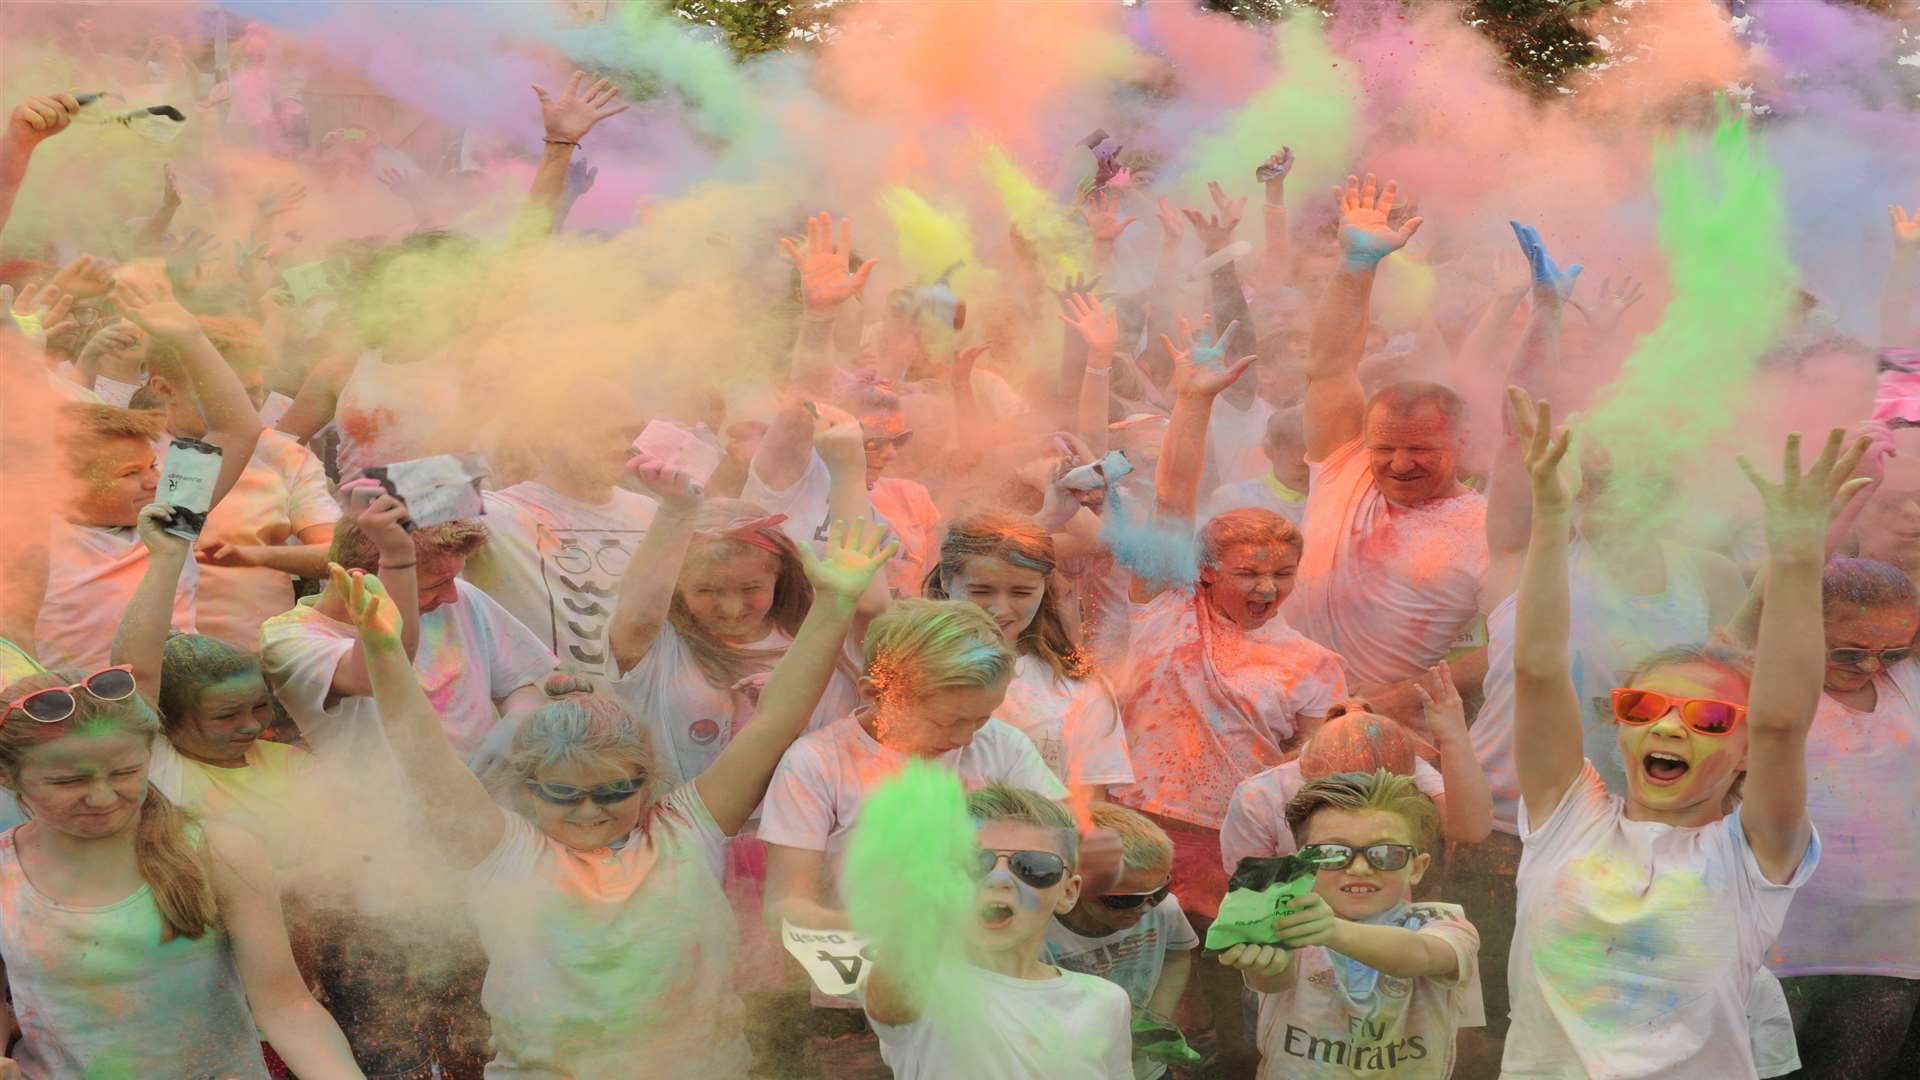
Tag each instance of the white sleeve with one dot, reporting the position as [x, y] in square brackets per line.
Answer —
[798, 809]
[1096, 744]
[691, 824]
[309, 503]
[514, 858]
[1428, 779]
[1251, 828]
[300, 665]
[515, 658]
[1180, 934]
[1024, 767]
[1581, 808]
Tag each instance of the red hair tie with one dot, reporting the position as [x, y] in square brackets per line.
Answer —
[748, 531]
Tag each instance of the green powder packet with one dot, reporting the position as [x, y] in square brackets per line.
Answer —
[1161, 1041]
[1260, 891]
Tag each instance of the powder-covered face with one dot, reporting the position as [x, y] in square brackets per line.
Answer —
[1889, 525]
[883, 432]
[585, 825]
[120, 478]
[1011, 915]
[1360, 891]
[1413, 457]
[436, 575]
[935, 722]
[84, 784]
[1873, 629]
[226, 721]
[730, 595]
[1674, 772]
[1250, 582]
[1011, 594]
[1132, 880]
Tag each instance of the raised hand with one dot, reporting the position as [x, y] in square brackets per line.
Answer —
[1606, 312]
[409, 184]
[1799, 507]
[40, 118]
[1216, 231]
[85, 277]
[961, 370]
[1906, 229]
[1101, 212]
[147, 300]
[1200, 369]
[188, 252]
[1548, 278]
[580, 178]
[825, 281]
[570, 116]
[670, 486]
[169, 188]
[1078, 283]
[855, 553]
[1172, 223]
[1440, 704]
[1545, 447]
[1273, 172]
[371, 611]
[151, 527]
[111, 340]
[1365, 236]
[1095, 323]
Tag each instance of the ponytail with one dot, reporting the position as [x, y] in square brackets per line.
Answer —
[174, 867]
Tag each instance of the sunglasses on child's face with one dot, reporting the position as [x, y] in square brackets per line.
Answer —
[604, 795]
[1704, 715]
[56, 703]
[1040, 869]
[1856, 657]
[1129, 901]
[1340, 856]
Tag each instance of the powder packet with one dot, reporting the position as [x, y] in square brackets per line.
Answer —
[1260, 891]
[159, 123]
[187, 476]
[436, 490]
[1160, 1040]
[679, 447]
[1099, 474]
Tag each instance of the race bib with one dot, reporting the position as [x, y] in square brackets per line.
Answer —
[838, 961]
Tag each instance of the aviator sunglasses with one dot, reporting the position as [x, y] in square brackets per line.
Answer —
[1040, 869]
[1704, 715]
[57, 703]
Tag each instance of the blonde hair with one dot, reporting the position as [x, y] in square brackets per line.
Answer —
[170, 862]
[1250, 526]
[919, 646]
[1019, 542]
[578, 725]
[1143, 845]
[82, 428]
[1003, 802]
[1356, 792]
[724, 664]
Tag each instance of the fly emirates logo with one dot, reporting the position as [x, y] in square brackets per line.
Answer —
[1359, 1050]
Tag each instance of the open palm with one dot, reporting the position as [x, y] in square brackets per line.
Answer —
[855, 553]
[825, 280]
[1365, 235]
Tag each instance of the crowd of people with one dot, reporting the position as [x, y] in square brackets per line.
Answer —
[1184, 582]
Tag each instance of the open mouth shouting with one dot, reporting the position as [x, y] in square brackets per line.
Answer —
[996, 916]
[1663, 768]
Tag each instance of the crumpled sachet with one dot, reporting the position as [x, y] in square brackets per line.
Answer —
[1260, 891]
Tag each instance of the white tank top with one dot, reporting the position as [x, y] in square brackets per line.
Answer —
[98, 994]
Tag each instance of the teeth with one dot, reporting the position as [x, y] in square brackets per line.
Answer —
[1658, 756]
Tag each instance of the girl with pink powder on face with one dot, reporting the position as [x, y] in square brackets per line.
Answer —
[1643, 920]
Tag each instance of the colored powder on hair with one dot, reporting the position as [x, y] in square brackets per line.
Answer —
[932, 241]
[1312, 107]
[908, 884]
[1722, 226]
[1060, 248]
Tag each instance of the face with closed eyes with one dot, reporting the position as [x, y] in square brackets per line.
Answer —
[227, 720]
[85, 784]
[1010, 593]
[730, 593]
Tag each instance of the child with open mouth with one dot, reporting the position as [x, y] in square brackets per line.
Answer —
[1642, 921]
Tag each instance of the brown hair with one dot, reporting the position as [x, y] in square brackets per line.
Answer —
[189, 664]
[1865, 583]
[1018, 542]
[83, 427]
[1355, 792]
[170, 862]
[354, 551]
[1250, 526]
[721, 663]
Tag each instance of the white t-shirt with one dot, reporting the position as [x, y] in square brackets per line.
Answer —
[92, 573]
[908, 507]
[806, 503]
[1320, 1026]
[1075, 723]
[555, 563]
[1131, 959]
[1636, 943]
[1074, 1027]
[1389, 588]
[1235, 438]
[604, 965]
[1859, 914]
[692, 720]
[1262, 493]
[1256, 823]
[282, 490]
[1492, 729]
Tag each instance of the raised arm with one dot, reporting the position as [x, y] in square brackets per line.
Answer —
[1903, 280]
[464, 819]
[141, 639]
[567, 119]
[1336, 403]
[1276, 262]
[1790, 664]
[1097, 328]
[1226, 298]
[1546, 707]
[318, 396]
[737, 780]
[1466, 810]
[33, 122]
[1101, 212]
[232, 423]
[379, 519]
[828, 280]
[1200, 373]
[646, 589]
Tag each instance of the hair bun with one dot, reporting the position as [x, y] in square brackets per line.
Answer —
[561, 683]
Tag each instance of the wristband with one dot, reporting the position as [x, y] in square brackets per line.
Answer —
[400, 565]
[562, 142]
[1091, 370]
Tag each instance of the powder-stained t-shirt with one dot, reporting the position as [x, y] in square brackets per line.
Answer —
[1132, 958]
[907, 506]
[606, 965]
[1209, 704]
[555, 562]
[282, 491]
[1636, 943]
[1328, 1023]
[1074, 1027]
[92, 573]
[1389, 588]
[1074, 723]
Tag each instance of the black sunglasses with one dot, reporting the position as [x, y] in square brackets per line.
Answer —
[1340, 856]
[604, 795]
[875, 442]
[1040, 869]
[1127, 901]
[1856, 657]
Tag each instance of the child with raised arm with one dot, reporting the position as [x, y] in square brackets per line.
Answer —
[1643, 920]
[1365, 981]
[1038, 1020]
[598, 899]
